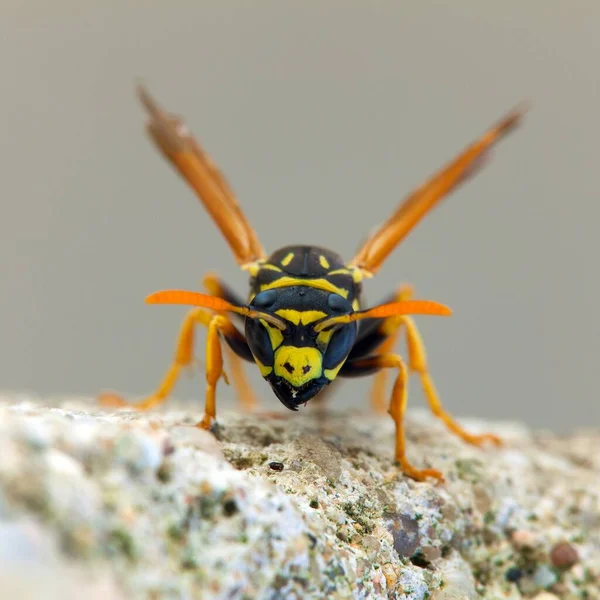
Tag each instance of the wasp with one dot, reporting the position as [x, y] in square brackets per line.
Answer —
[304, 324]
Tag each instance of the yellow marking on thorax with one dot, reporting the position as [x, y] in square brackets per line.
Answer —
[356, 304]
[275, 335]
[357, 274]
[300, 316]
[340, 272]
[270, 267]
[324, 262]
[298, 365]
[252, 267]
[287, 259]
[320, 284]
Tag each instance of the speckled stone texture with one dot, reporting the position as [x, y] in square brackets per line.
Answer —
[97, 504]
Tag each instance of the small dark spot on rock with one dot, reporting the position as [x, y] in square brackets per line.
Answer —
[564, 555]
[188, 561]
[418, 559]
[206, 507]
[405, 532]
[217, 430]
[123, 542]
[163, 473]
[312, 540]
[230, 507]
[276, 466]
[175, 532]
[314, 504]
[168, 448]
[513, 574]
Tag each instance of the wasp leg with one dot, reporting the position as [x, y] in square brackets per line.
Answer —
[239, 380]
[380, 336]
[418, 364]
[184, 356]
[370, 364]
[383, 336]
[214, 367]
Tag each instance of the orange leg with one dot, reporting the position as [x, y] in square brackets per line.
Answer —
[397, 407]
[239, 380]
[392, 327]
[183, 358]
[417, 360]
[214, 367]
[243, 389]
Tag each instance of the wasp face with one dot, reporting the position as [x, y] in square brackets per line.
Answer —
[297, 361]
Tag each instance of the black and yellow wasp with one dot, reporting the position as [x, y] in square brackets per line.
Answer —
[304, 324]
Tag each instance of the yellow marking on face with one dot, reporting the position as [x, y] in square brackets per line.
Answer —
[275, 335]
[324, 262]
[270, 267]
[298, 365]
[287, 259]
[324, 337]
[331, 374]
[300, 316]
[264, 369]
[320, 284]
[355, 304]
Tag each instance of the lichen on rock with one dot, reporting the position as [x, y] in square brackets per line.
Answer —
[310, 505]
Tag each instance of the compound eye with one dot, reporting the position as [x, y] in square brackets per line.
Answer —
[340, 345]
[265, 299]
[259, 340]
[338, 303]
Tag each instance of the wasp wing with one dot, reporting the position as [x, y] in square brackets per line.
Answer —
[177, 144]
[378, 246]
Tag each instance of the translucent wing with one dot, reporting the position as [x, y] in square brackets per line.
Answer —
[376, 249]
[177, 144]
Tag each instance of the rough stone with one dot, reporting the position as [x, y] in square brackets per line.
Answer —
[142, 505]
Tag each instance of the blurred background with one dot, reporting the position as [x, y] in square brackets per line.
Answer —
[323, 115]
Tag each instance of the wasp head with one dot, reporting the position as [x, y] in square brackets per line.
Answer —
[296, 359]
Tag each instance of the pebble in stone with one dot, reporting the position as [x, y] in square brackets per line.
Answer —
[564, 555]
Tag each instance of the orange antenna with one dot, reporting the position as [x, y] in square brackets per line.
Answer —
[405, 307]
[218, 304]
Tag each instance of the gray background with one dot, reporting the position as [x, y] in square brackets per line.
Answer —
[323, 115]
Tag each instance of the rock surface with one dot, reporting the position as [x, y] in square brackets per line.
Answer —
[100, 504]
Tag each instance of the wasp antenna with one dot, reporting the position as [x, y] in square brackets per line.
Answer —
[405, 307]
[212, 302]
[194, 299]
[268, 317]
